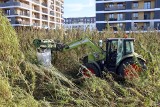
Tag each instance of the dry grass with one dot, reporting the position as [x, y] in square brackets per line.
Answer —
[24, 82]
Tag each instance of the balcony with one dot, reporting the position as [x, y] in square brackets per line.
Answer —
[36, 8]
[115, 8]
[44, 18]
[147, 17]
[4, 1]
[35, 16]
[14, 4]
[134, 18]
[142, 18]
[6, 12]
[36, 1]
[22, 22]
[51, 19]
[22, 14]
[143, 28]
[44, 11]
[62, 10]
[44, 26]
[58, 16]
[120, 19]
[51, 13]
[36, 24]
[44, 4]
[62, 6]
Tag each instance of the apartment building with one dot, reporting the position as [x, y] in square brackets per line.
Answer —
[128, 15]
[80, 23]
[46, 14]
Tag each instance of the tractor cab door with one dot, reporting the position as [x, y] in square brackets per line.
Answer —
[120, 51]
[125, 47]
[111, 52]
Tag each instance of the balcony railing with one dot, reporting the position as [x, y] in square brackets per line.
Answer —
[142, 8]
[22, 22]
[58, 16]
[44, 18]
[36, 1]
[134, 18]
[45, 26]
[35, 8]
[145, 28]
[115, 8]
[143, 18]
[112, 19]
[51, 19]
[14, 4]
[23, 14]
[120, 19]
[36, 24]
[146, 18]
[44, 11]
[6, 13]
[34, 16]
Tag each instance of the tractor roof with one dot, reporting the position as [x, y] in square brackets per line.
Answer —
[121, 38]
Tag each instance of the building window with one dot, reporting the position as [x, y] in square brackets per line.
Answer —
[146, 26]
[147, 15]
[111, 5]
[88, 19]
[120, 4]
[147, 5]
[135, 16]
[111, 16]
[158, 26]
[120, 16]
[120, 26]
[7, 11]
[135, 25]
[135, 5]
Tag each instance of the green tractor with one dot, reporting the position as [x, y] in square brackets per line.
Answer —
[118, 57]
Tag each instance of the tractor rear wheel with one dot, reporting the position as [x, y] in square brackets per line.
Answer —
[131, 69]
[93, 70]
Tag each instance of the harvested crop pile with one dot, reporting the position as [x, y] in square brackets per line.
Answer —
[24, 82]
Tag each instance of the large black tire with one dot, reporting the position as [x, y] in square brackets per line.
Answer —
[138, 66]
[93, 68]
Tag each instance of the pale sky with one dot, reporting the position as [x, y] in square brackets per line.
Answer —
[79, 8]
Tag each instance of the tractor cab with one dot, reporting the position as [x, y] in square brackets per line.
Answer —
[116, 49]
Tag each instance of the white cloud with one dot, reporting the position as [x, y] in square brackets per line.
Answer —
[79, 6]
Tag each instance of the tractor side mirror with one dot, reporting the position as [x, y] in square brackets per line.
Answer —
[100, 43]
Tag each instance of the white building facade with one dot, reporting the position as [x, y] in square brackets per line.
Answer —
[46, 14]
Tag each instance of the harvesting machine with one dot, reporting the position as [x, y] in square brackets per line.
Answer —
[118, 57]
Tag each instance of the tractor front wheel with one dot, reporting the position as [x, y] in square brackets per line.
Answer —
[131, 69]
[91, 70]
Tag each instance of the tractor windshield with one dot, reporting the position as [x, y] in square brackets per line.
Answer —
[129, 47]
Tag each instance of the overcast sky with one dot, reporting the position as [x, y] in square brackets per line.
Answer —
[79, 8]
